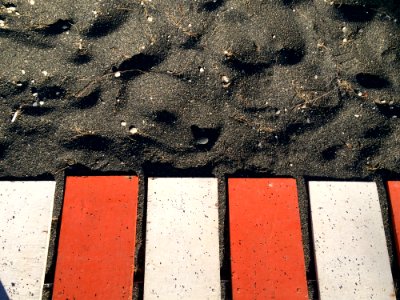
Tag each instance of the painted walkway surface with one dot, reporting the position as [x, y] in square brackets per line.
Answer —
[182, 248]
[267, 256]
[97, 239]
[394, 195]
[26, 209]
[350, 246]
[96, 248]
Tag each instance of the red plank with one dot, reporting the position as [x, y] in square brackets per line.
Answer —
[394, 195]
[267, 256]
[97, 239]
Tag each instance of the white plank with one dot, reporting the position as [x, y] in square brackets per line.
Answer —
[350, 246]
[26, 209]
[182, 249]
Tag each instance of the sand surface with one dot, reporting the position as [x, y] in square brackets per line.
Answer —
[284, 87]
[223, 87]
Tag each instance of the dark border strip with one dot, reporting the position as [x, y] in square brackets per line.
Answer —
[224, 239]
[140, 246]
[308, 245]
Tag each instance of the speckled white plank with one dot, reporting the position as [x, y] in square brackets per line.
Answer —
[350, 246]
[26, 209]
[182, 249]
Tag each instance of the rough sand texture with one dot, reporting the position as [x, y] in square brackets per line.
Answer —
[285, 87]
[279, 87]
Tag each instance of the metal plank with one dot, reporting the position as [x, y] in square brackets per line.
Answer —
[394, 195]
[267, 257]
[350, 246]
[97, 239]
[182, 250]
[26, 209]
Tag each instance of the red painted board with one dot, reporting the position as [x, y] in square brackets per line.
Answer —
[97, 240]
[267, 258]
[394, 195]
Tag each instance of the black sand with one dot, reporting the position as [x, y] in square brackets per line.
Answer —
[280, 88]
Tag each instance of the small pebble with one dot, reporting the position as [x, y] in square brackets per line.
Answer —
[133, 130]
[225, 79]
[45, 73]
[117, 74]
[11, 9]
[150, 19]
[202, 141]
[201, 70]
